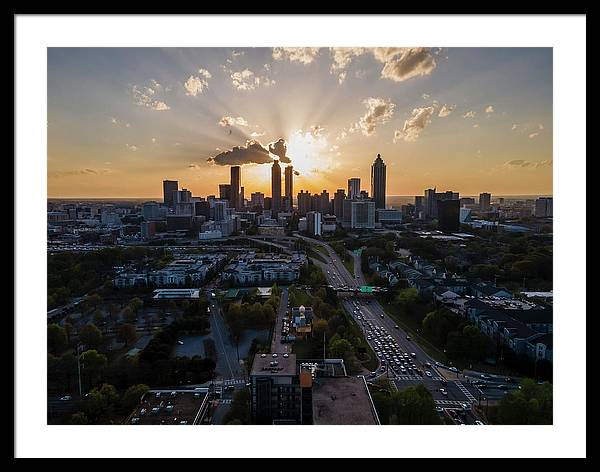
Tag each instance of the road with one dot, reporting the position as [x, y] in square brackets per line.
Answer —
[276, 344]
[377, 328]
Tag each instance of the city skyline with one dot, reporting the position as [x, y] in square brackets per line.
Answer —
[463, 119]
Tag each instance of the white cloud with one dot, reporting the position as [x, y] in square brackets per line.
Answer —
[540, 126]
[533, 135]
[379, 111]
[131, 147]
[127, 125]
[195, 85]
[341, 77]
[405, 63]
[426, 96]
[301, 55]
[476, 125]
[248, 80]
[446, 110]
[226, 121]
[470, 114]
[154, 140]
[514, 126]
[515, 163]
[413, 127]
[114, 121]
[144, 96]
[489, 109]
[255, 134]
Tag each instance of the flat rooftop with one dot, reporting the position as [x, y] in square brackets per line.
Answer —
[265, 365]
[161, 407]
[341, 401]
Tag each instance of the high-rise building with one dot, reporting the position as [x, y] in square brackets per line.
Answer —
[378, 179]
[183, 196]
[323, 203]
[276, 187]
[148, 229]
[202, 208]
[289, 182]
[338, 203]
[303, 203]
[150, 211]
[221, 210]
[448, 215]
[169, 189]
[242, 199]
[419, 206]
[313, 223]
[353, 188]
[257, 199]
[225, 192]
[484, 201]
[359, 214]
[429, 203]
[543, 207]
[234, 187]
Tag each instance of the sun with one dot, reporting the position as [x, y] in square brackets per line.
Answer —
[308, 152]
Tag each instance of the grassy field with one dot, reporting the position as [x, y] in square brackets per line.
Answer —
[349, 264]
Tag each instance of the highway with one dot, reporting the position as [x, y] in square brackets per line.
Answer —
[389, 341]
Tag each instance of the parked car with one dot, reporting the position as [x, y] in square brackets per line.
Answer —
[66, 398]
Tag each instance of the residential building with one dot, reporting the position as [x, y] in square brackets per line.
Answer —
[338, 203]
[313, 223]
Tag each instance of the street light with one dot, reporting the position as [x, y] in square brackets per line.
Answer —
[79, 367]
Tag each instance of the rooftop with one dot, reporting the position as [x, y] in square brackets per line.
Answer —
[274, 364]
[341, 400]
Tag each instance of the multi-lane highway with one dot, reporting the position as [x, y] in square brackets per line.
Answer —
[401, 358]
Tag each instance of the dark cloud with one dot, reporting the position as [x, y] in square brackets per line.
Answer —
[252, 153]
[279, 148]
[296, 172]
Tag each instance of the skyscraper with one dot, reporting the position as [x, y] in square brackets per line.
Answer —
[276, 187]
[289, 181]
[353, 188]
[484, 201]
[303, 203]
[224, 191]
[378, 182]
[234, 192]
[169, 188]
[338, 203]
[448, 215]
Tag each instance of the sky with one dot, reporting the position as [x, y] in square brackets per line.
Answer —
[121, 120]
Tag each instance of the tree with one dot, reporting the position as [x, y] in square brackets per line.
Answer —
[413, 405]
[79, 418]
[136, 304]
[93, 301]
[57, 339]
[532, 404]
[126, 333]
[112, 310]
[319, 327]
[240, 408]
[407, 299]
[98, 317]
[129, 314]
[99, 404]
[133, 395]
[91, 336]
[92, 364]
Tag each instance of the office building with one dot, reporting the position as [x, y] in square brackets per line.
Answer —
[202, 208]
[353, 188]
[419, 211]
[234, 187]
[151, 211]
[359, 214]
[378, 180]
[484, 201]
[338, 203]
[289, 182]
[304, 201]
[313, 223]
[169, 189]
[148, 230]
[225, 192]
[257, 199]
[221, 210]
[183, 196]
[242, 199]
[276, 187]
[448, 215]
[468, 201]
[388, 216]
[543, 207]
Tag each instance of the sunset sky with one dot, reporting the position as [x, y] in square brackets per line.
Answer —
[121, 120]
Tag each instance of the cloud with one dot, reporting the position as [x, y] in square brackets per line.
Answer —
[145, 96]
[514, 126]
[533, 135]
[341, 77]
[254, 134]
[470, 114]
[540, 126]
[476, 125]
[524, 163]
[342, 57]
[379, 111]
[227, 121]
[131, 147]
[489, 109]
[426, 96]
[154, 140]
[301, 55]
[79, 172]
[248, 80]
[252, 153]
[446, 110]
[413, 127]
[279, 148]
[196, 84]
[296, 172]
[114, 121]
[404, 63]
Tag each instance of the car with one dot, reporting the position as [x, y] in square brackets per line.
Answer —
[428, 374]
[508, 380]
[66, 398]
[443, 392]
[453, 369]
[229, 388]
[478, 422]
[180, 343]
[427, 364]
[408, 338]
[412, 354]
[372, 374]
[439, 409]
[466, 407]
[382, 316]
[397, 327]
